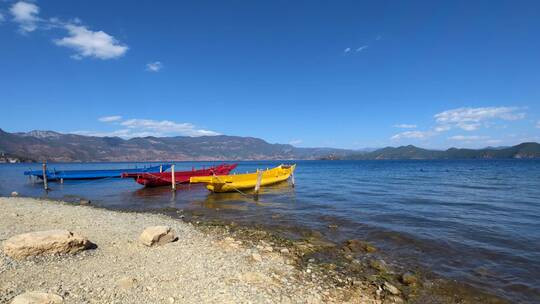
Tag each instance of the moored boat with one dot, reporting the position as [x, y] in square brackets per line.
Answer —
[230, 183]
[93, 174]
[165, 178]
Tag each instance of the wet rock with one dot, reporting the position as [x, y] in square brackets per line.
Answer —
[37, 298]
[359, 246]
[14, 193]
[408, 278]
[45, 242]
[126, 283]
[157, 235]
[84, 202]
[379, 265]
[391, 288]
[333, 226]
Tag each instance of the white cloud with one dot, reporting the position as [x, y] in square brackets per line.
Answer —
[405, 126]
[442, 128]
[2, 18]
[85, 42]
[147, 127]
[295, 142]
[347, 50]
[362, 48]
[538, 124]
[25, 14]
[88, 43]
[412, 134]
[154, 66]
[165, 127]
[471, 119]
[110, 118]
[467, 137]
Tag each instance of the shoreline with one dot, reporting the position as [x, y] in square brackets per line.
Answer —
[335, 273]
[199, 267]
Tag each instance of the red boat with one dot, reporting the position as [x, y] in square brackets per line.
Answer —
[165, 178]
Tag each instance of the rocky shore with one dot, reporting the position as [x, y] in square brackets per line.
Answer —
[192, 266]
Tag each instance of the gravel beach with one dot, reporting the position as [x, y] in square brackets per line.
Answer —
[197, 268]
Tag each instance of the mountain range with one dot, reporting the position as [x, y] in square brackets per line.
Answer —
[58, 147]
[523, 150]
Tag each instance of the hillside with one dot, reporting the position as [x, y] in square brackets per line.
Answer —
[53, 146]
[524, 150]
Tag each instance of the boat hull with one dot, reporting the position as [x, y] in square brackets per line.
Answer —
[247, 181]
[180, 177]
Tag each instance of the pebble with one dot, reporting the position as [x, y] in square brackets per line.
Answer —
[14, 193]
[391, 288]
[284, 251]
[380, 265]
[256, 257]
[408, 278]
[126, 283]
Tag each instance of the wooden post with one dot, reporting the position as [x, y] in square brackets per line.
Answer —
[160, 168]
[292, 179]
[173, 181]
[44, 171]
[259, 180]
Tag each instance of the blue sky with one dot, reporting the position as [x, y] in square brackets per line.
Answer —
[347, 74]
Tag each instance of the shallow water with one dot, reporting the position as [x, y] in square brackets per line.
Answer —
[477, 221]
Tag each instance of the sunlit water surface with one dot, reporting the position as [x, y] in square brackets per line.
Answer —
[477, 221]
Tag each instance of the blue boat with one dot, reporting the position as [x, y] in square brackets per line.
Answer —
[93, 174]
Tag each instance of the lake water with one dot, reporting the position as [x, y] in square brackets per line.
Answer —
[476, 221]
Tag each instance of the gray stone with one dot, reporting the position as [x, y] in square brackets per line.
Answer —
[37, 298]
[157, 235]
[45, 242]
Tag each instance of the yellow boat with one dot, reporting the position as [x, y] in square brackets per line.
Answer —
[229, 183]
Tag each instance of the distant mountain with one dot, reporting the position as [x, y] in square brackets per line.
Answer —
[524, 150]
[53, 146]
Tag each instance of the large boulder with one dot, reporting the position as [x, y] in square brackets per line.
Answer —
[45, 242]
[157, 235]
[37, 298]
